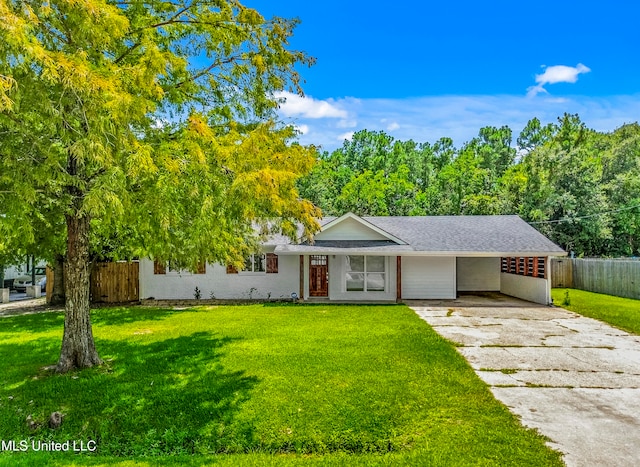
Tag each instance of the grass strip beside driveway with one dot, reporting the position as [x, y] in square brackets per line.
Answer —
[623, 313]
[241, 384]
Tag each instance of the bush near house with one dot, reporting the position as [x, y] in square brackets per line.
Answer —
[257, 385]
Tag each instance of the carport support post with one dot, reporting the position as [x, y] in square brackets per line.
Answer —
[547, 277]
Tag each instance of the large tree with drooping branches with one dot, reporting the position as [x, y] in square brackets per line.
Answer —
[148, 126]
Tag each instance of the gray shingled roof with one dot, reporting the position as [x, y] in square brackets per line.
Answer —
[456, 234]
[467, 233]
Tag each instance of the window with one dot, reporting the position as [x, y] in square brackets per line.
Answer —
[160, 267]
[365, 273]
[255, 263]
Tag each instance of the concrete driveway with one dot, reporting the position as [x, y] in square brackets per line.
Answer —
[575, 379]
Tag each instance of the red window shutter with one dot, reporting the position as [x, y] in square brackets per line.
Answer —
[202, 268]
[159, 267]
[272, 263]
[231, 269]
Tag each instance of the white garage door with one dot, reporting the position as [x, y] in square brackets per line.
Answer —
[428, 277]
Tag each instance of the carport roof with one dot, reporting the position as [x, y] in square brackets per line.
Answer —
[462, 235]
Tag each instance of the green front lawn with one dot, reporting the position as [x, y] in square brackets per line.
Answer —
[624, 313]
[258, 385]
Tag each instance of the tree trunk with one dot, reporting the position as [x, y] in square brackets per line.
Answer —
[57, 296]
[78, 347]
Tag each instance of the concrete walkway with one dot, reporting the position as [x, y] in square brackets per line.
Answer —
[26, 307]
[575, 379]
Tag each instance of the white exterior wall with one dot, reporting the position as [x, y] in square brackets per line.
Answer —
[477, 274]
[428, 277]
[244, 285]
[338, 285]
[533, 289]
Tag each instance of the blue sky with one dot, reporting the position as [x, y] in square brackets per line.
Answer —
[423, 70]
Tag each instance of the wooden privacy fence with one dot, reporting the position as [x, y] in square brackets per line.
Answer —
[561, 272]
[619, 277]
[110, 282]
[115, 282]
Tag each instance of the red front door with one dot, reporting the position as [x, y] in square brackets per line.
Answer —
[318, 276]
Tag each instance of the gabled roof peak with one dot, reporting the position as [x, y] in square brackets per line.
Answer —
[349, 216]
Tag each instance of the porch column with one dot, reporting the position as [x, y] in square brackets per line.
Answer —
[398, 278]
[301, 295]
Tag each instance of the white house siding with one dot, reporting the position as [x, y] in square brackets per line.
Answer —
[533, 289]
[428, 277]
[243, 285]
[338, 288]
[350, 229]
[477, 274]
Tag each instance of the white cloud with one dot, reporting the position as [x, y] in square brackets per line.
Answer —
[294, 105]
[393, 126]
[347, 124]
[556, 74]
[427, 119]
[348, 136]
[302, 129]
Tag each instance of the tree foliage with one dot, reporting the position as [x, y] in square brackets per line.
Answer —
[144, 128]
[578, 186]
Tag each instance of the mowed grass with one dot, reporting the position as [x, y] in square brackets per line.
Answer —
[624, 313]
[257, 385]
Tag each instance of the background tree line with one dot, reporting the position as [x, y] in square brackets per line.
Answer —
[578, 186]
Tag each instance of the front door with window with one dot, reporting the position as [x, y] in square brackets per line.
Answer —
[318, 276]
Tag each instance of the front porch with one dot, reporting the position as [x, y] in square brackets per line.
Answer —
[375, 278]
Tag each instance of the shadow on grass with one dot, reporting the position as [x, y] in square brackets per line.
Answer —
[37, 322]
[114, 316]
[170, 397]
[45, 321]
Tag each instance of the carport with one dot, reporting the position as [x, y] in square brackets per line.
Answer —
[447, 277]
[525, 277]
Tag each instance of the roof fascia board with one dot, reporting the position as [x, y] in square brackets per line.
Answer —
[466, 254]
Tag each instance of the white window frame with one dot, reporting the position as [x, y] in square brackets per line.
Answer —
[170, 270]
[365, 273]
[252, 259]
